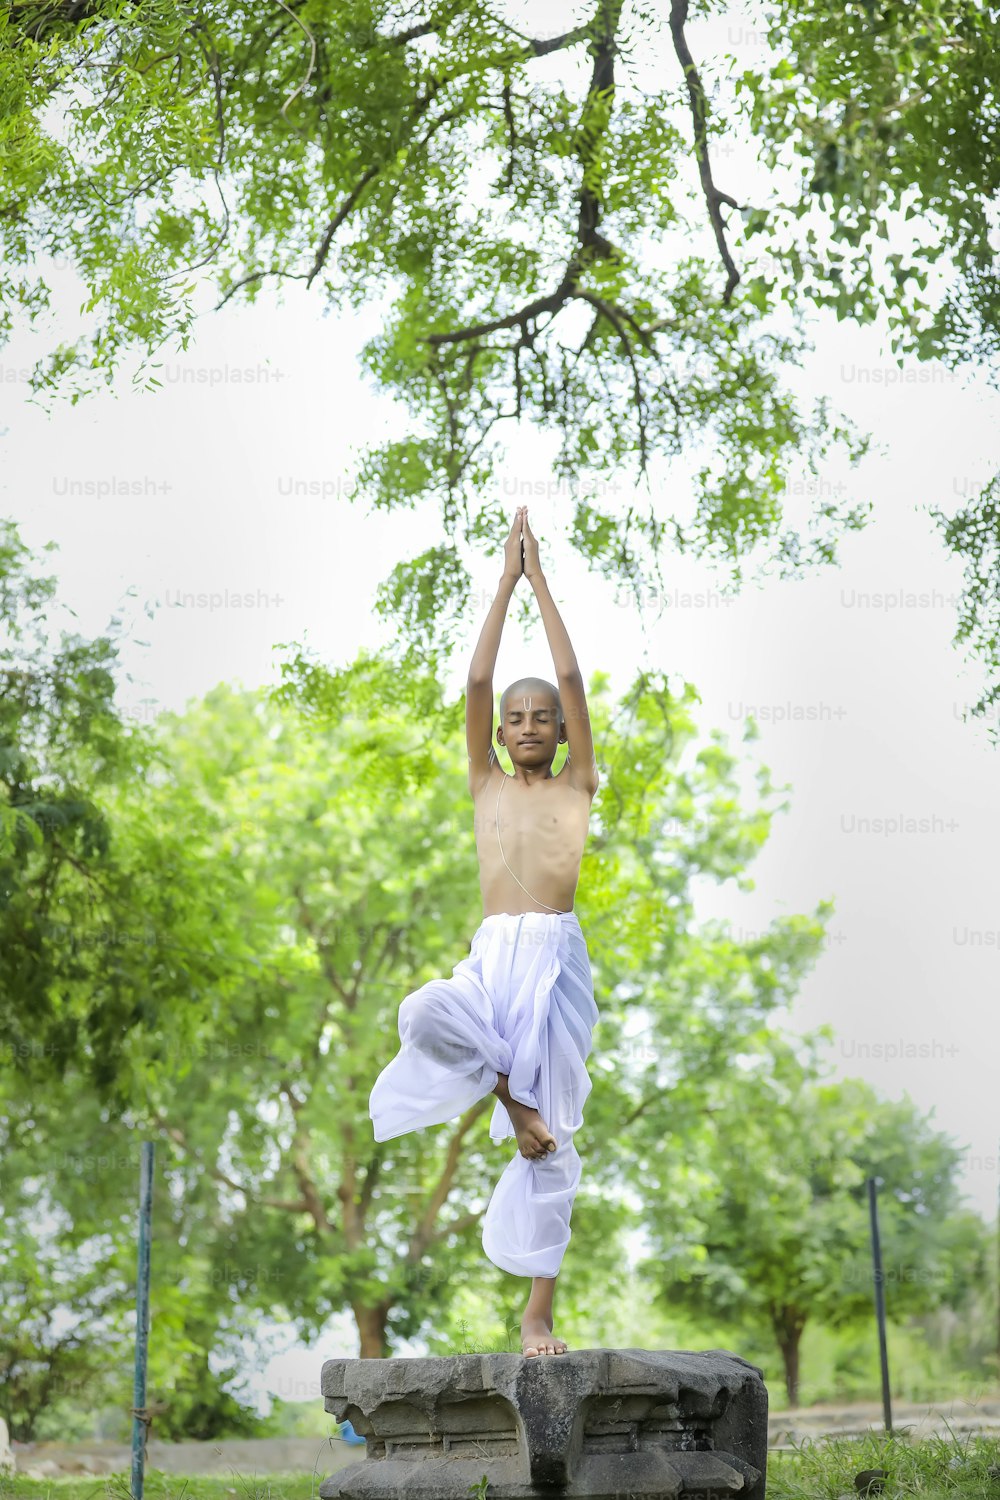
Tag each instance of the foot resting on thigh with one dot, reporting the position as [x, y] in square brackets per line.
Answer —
[534, 1138]
[537, 1338]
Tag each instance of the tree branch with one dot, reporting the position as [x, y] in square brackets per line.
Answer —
[338, 219]
[541, 48]
[601, 88]
[657, 1098]
[457, 1225]
[425, 28]
[550, 303]
[601, 30]
[606, 310]
[699, 114]
[312, 55]
[371, 1178]
[424, 1233]
[322, 948]
[590, 206]
[177, 1135]
[259, 276]
[420, 108]
[509, 121]
[307, 1183]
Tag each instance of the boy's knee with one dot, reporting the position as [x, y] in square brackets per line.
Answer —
[424, 1023]
[416, 1020]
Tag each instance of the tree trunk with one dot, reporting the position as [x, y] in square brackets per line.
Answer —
[788, 1325]
[371, 1326]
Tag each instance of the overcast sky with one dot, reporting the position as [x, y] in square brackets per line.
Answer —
[858, 692]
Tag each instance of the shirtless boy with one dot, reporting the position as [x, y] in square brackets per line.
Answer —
[517, 1016]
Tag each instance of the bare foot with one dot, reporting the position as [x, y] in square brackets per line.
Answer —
[534, 1138]
[537, 1338]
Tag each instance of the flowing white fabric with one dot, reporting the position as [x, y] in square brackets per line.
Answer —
[522, 1003]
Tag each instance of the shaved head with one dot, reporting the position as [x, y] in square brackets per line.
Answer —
[534, 688]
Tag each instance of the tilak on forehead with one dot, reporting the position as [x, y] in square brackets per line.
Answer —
[507, 701]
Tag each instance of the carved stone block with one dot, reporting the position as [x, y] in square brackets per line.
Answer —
[605, 1424]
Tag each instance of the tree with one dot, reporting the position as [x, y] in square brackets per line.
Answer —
[61, 1324]
[61, 738]
[68, 1236]
[335, 870]
[782, 1232]
[559, 243]
[76, 973]
[321, 864]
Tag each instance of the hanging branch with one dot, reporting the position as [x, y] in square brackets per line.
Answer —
[699, 113]
[312, 56]
[606, 310]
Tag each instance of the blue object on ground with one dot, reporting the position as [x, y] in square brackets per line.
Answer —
[349, 1435]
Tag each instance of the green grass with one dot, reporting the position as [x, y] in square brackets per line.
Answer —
[160, 1486]
[934, 1469]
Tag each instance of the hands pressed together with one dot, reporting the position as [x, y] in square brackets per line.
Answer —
[521, 549]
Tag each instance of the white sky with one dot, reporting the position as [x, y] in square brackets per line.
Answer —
[859, 705]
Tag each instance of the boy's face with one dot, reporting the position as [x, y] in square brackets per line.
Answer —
[531, 727]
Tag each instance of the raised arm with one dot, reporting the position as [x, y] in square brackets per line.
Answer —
[582, 768]
[479, 687]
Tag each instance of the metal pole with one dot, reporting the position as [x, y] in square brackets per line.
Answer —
[880, 1306]
[139, 1422]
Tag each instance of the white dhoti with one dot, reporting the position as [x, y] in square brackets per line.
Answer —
[522, 1003]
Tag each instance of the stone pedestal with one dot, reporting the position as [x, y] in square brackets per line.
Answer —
[605, 1424]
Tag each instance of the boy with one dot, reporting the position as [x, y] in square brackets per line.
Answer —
[517, 1016]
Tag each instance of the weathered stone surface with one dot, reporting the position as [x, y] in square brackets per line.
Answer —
[605, 1424]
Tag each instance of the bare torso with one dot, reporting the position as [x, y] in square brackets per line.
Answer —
[543, 829]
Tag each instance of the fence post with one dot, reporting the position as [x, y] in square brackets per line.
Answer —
[880, 1306]
[140, 1420]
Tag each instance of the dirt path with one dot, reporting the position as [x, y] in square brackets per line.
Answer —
[854, 1419]
[249, 1456]
[228, 1456]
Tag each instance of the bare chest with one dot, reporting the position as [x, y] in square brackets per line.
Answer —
[551, 816]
